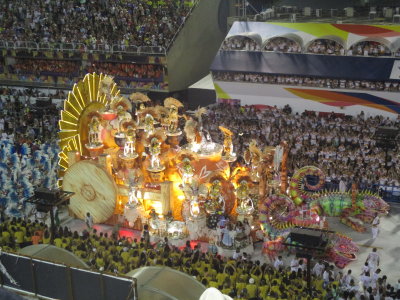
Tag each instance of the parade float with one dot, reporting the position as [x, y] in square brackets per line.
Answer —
[132, 163]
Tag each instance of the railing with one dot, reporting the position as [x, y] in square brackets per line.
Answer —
[58, 281]
[80, 47]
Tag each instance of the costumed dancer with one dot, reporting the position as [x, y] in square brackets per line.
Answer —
[375, 226]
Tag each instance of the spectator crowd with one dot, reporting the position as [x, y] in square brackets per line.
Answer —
[344, 147]
[130, 71]
[318, 46]
[123, 22]
[239, 276]
[331, 83]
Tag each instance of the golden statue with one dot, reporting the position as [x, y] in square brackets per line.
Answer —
[228, 154]
[244, 203]
[94, 131]
[130, 135]
[216, 201]
[173, 115]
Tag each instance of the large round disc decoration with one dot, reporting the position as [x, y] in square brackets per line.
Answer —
[95, 191]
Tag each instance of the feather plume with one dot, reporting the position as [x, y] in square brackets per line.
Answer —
[190, 130]
[162, 111]
[122, 101]
[126, 124]
[225, 131]
[158, 133]
[199, 112]
[106, 83]
[139, 98]
[151, 111]
[168, 102]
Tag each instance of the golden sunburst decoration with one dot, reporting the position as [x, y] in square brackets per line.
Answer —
[84, 99]
[168, 102]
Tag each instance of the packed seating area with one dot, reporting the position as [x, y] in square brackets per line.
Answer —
[327, 47]
[318, 46]
[41, 67]
[330, 83]
[343, 146]
[239, 276]
[129, 71]
[51, 68]
[242, 43]
[369, 48]
[132, 22]
[280, 44]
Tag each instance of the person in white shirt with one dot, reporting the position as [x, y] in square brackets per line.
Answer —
[236, 255]
[365, 280]
[326, 277]
[318, 269]
[347, 278]
[278, 263]
[375, 226]
[294, 264]
[374, 278]
[366, 268]
[89, 221]
[373, 260]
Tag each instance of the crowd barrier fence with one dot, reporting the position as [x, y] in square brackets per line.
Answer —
[54, 280]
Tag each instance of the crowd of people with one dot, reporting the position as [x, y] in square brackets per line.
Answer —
[344, 147]
[369, 48]
[69, 68]
[281, 44]
[131, 71]
[331, 83]
[318, 46]
[28, 147]
[125, 22]
[327, 47]
[238, 276]
[242, 43]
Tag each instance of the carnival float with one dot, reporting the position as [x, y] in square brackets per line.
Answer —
[133, 163]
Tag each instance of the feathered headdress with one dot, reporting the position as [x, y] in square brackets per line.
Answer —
[126, 125]
[106, 83]
[186, 154]
[168, 102]
[25, 150]
[162, 111]
[15, 159]
[139, 98]
[121, 101]
[256, 153]
[159, 134]
[191, 131]
[93, 114]
[151, 111]
[199, 112]
[225, 131]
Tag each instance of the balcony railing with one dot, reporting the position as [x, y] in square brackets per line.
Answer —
[80, 47]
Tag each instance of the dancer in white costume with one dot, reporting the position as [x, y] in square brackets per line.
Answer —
[375, 226]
